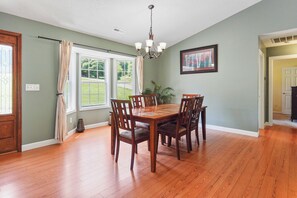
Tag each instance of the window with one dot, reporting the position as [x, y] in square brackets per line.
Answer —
[70, 86]
[93, 83]
[94, 78]
[6, 79]
[125, 78]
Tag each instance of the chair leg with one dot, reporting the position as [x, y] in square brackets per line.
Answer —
[169, 141]
[163, 139]
[136, 148]
[117, 150]
[188, 141]
[148, 145]
[132, 156]
[177, 148]
[197, 136]
[157, 143]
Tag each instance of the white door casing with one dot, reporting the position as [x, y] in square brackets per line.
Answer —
[289, 79]
[270, 84]
[261, 91]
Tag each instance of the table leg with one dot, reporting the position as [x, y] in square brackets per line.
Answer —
[112, 135]
[203, 120]
[153, 139]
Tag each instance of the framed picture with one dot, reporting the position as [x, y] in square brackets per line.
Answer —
[199, 60]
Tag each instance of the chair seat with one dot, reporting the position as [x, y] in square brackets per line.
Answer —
[142, 125]
[140, 133]
[169, 129]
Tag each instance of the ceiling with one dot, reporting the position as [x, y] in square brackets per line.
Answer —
[173, 20]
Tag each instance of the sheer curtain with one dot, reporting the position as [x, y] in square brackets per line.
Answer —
[139, 71]
[61, 125]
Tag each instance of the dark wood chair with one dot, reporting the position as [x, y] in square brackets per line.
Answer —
[150, 100]
[137, 101]
[190, 95]
[122, 112]
[195, 118]
[181, 126]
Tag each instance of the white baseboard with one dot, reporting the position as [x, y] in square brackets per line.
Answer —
[91, 126]
[34, 145]
[268, 124]
[231, 130]
[70, 133]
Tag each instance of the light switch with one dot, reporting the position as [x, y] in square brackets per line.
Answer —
[32, 87]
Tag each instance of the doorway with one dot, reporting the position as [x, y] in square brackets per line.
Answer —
[10, 92]
[282, 77]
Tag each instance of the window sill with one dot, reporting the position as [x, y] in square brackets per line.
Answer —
[94, 108]
[71, 112]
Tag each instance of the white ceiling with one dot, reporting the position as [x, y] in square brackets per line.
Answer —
[173, 20]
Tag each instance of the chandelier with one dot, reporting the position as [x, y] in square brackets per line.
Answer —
[150, 51]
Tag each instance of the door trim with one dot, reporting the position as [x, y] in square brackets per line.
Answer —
[270, 84]
[261, 111]
[18, 82]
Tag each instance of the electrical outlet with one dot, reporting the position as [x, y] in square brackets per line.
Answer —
[32, 87]
[70, 120]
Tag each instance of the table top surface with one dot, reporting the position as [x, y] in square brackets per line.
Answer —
[156, 112]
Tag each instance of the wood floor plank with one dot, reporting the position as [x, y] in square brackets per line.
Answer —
[225, 165]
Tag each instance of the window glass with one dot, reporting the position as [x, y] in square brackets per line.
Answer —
[6, 85]
[93, 81]
[125, 85]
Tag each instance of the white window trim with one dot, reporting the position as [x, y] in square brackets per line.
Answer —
[115, 79]
[72, 81]
[96, 55]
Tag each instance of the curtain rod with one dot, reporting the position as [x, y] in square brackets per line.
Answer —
[82, 45]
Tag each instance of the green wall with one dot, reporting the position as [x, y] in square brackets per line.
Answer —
[231, 94]
[40, 66]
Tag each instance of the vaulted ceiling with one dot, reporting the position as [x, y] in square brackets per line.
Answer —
[173, 20]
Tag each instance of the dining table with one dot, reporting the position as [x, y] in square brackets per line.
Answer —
[154, 115]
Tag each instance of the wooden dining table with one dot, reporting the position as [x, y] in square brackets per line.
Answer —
[154, 115]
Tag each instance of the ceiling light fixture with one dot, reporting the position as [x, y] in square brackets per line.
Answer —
[150, 51]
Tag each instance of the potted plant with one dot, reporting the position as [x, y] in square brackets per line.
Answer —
[164, 96]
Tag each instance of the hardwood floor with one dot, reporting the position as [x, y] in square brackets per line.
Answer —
[226, 165]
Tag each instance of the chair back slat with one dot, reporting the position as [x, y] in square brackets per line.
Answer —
[197, 108]
[150, 100]
[185, 111]
[122, 111]
[137, 101]
[190, 95]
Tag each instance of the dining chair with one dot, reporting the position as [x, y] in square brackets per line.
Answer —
[150, 100]
[181, 126]
[123, 118]
[195, 118]
[190, 95]
[137, 101]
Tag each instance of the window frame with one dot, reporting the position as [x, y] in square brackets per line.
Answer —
[72, 84]
[96, 55]
[115, 79]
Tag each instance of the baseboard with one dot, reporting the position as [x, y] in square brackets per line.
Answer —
[35, 145]
[91, 126]
[268, 124]
[232, 130]
[70, 133]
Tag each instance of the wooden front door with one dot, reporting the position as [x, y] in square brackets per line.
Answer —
[10, 91]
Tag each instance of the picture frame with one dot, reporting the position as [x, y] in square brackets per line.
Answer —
[199, 60]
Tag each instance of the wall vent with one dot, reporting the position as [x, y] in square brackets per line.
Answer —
[284, 39]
